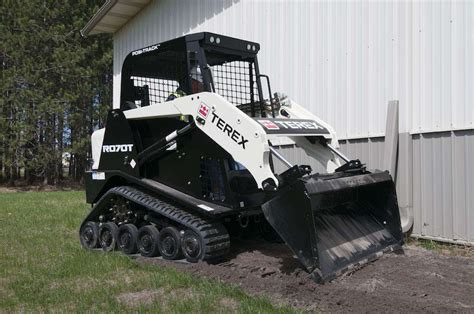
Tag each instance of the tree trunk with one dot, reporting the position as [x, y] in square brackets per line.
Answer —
[60, 146]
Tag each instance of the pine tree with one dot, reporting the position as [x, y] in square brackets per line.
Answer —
[56, 87]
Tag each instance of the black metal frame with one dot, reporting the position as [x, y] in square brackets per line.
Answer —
[197, 49]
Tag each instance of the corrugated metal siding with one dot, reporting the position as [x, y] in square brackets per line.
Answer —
[344, 61]
[443, 185]
[443, 47]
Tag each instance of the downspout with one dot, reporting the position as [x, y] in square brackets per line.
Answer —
[397, 159]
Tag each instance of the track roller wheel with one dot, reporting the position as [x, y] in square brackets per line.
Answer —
[108, 236]
[127, 238]
[89, 235]
[169, 243]
[192, 246]
[148, 237]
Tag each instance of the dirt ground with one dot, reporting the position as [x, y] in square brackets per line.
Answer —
[416, 280]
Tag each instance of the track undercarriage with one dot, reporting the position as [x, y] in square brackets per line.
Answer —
[133, 221]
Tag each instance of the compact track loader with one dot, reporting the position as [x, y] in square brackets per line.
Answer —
[193, 158]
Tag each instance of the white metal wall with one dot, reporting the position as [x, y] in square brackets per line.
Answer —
[344, 61]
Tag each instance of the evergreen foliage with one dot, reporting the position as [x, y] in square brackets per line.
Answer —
[55, 88]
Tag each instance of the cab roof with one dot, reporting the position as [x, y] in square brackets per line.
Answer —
[211, 42]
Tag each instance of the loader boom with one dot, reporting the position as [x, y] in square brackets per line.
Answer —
[241, 136]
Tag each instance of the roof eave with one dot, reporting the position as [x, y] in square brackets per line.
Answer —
[97, 17]
[112, 16]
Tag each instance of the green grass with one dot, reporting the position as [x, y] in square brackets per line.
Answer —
[44, 269]
[430, 245]
[441, 248]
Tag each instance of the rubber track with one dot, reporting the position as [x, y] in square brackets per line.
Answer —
[215, 236]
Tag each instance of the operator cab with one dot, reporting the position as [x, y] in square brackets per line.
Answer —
[202, 62]
[195, 63]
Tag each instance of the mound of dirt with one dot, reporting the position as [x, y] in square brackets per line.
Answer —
[418, 280]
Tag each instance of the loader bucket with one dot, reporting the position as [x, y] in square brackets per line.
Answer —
[333, 223]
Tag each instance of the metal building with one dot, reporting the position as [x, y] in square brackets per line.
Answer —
[344, 61]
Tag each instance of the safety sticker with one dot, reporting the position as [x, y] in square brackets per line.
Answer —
[98, 175]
